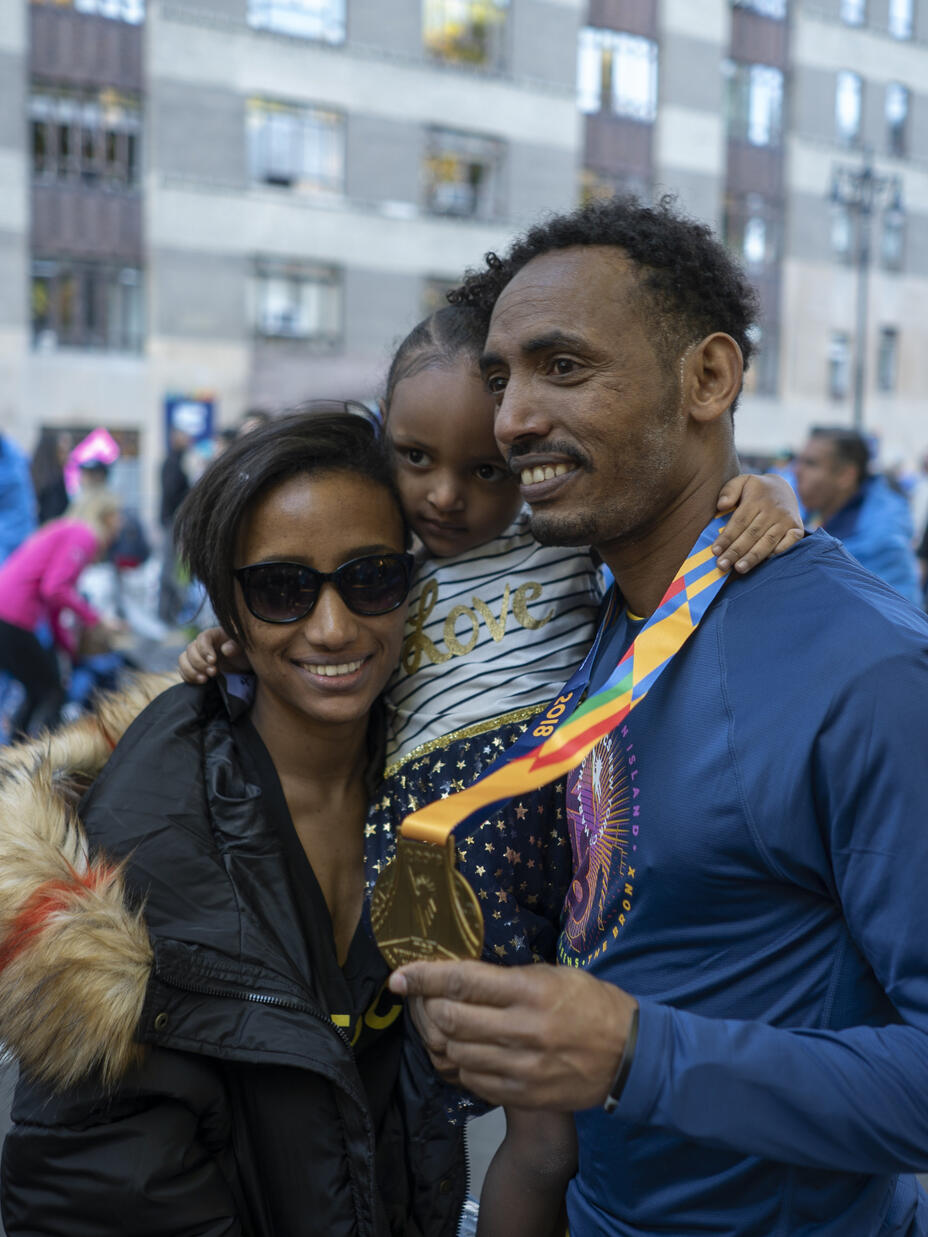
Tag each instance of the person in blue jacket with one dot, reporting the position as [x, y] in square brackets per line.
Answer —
[871, 519]
[17, 498]
[739, 1018]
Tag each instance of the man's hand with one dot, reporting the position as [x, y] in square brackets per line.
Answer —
[527, 1036]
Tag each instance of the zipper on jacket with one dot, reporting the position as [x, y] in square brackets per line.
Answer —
[256, 998]
[467, 1174]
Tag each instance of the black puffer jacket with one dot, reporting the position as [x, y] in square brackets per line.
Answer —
[230, 1025]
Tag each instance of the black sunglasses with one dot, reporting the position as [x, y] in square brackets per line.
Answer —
[287, 592]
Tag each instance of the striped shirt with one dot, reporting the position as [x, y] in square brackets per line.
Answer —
[491, 632]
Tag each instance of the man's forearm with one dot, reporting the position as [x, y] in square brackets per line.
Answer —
[850, 1100]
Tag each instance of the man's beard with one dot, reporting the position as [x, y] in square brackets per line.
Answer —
[579, 529]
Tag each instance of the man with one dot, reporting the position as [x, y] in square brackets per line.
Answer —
[871, 519]
[744, 978]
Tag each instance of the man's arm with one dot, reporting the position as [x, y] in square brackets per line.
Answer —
[848, 1100]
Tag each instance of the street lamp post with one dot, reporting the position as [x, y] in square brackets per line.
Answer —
[860, 190]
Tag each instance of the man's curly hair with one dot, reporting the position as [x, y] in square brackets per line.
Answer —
[690, 283]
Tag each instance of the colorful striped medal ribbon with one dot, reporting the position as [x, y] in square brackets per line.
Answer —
[422, 907]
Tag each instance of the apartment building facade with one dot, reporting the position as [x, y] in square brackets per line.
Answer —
[240, 203]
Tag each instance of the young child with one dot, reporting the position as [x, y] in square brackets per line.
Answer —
[496, 624]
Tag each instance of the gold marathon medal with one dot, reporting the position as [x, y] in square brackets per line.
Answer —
[422, 908]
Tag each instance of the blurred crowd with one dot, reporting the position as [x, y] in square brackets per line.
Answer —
[83, 582]
[84, 585]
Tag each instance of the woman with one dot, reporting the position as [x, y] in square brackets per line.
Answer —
[38, 584]
[277, 1094]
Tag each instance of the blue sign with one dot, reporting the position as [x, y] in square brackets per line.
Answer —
[194, 414]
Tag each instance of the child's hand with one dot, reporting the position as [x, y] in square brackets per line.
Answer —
[209, 653]
[765, 521]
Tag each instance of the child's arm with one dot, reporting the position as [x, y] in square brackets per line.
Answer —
[200, 660]
[523, 1192]
[764, 520]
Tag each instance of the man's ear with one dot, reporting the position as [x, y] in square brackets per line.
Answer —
[712, 371]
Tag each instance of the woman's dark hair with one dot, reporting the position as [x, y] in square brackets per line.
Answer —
[452, 332]
[690, 283]
[207, 524]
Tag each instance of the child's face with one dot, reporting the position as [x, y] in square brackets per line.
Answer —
[456, 490]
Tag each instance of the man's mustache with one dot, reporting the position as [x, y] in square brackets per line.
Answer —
[549, 446]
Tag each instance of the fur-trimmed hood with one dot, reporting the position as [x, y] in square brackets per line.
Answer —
[75, 956]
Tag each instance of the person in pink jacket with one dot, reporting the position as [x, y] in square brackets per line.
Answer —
[38, 582]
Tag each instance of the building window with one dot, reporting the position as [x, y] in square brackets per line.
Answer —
[839, 365]
[296, 147]
[90, 137]
[766, 8]
[897, 115]
[848, 107]
[297, 300]
[763, 375]
[754, 102]
[887, 358]
[304, 19]
[465, 31]
[892, 238]
[86, 305]
[754, 244]
[900, 19]
[131, 11]
[750, 230]
[617, 73]
[854, 12]
[842, 232]
[462, 174]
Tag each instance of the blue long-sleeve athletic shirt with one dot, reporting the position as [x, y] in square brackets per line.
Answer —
[751, 863]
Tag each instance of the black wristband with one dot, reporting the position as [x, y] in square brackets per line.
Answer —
[625, 1065]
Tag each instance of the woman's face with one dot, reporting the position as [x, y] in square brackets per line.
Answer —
[330, 666]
